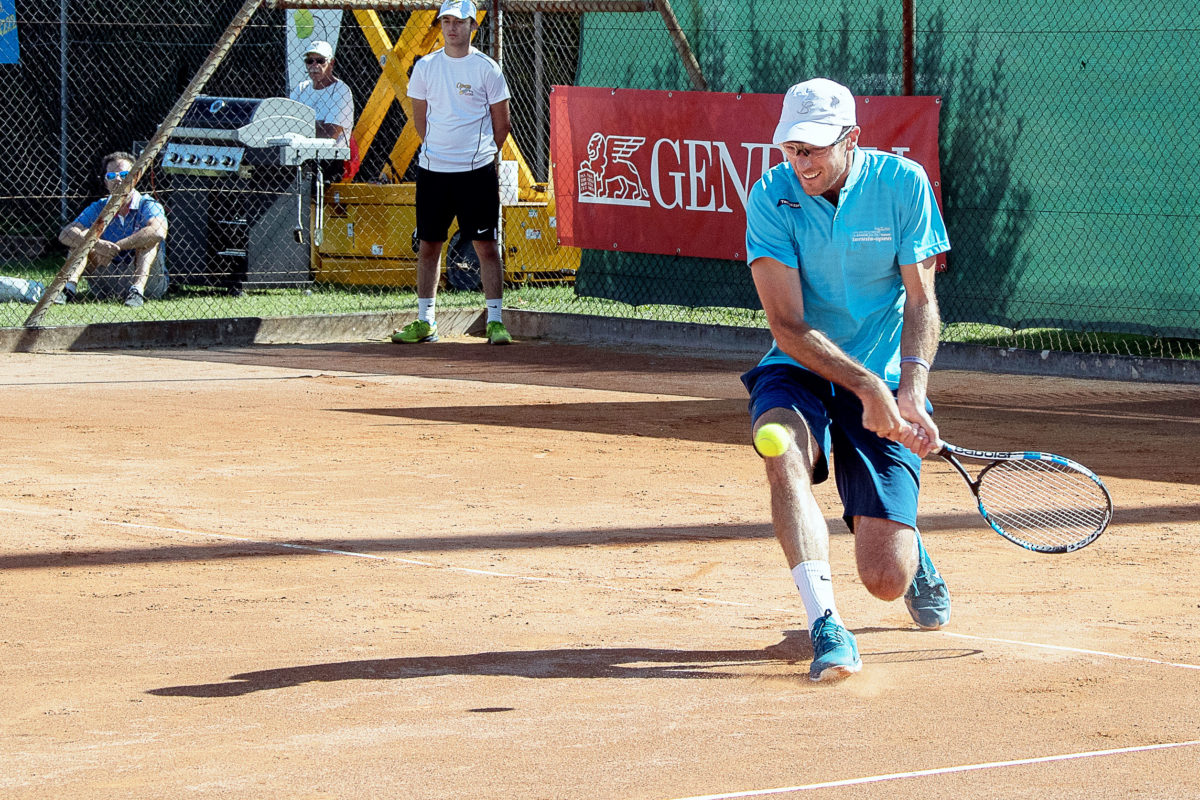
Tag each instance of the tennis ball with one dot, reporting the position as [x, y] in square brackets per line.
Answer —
[772, 439]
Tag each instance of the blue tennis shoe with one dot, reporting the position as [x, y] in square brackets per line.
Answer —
[835, 653]
[928, 599]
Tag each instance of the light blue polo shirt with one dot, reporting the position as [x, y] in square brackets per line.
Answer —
[142, 209]
[849, 256]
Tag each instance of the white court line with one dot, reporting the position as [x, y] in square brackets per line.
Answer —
[922, 773]
[1071, 650]
[674, 596]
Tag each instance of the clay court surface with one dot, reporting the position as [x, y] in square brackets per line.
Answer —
[547, 571]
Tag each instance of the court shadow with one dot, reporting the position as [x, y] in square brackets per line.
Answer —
[401, 546]
[706, 420]
[932, 525]
[534, 363]
[796, 646]
[619, 662]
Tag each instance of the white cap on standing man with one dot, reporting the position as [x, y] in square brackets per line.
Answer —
[814, 113]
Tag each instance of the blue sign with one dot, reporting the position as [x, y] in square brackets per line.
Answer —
[10, 47]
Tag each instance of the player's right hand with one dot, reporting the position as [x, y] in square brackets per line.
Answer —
[918, 439]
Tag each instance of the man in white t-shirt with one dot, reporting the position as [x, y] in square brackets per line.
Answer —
[460, 110]
[328, 96]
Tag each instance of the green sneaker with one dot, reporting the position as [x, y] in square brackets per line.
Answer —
[416, 331]
[497, 333]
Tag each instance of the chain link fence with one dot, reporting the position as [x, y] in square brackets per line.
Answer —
[1067, 135]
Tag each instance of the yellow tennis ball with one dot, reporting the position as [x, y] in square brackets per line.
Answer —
[772, 440]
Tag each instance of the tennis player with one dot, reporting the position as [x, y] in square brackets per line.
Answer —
[460, 110]
[841, 243]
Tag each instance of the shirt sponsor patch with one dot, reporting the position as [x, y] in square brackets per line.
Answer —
[880, 234]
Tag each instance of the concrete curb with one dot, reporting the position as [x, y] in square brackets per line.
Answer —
[234, 332]
[1075, 365]
[704, 340]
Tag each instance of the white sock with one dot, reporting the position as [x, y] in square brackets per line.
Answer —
[425, 309]
[493, 310]
[815, 583]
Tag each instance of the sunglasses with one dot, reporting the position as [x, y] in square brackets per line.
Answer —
[314, 60]
[112, 176]
[821, 152]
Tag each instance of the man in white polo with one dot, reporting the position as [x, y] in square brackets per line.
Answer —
[460, 109]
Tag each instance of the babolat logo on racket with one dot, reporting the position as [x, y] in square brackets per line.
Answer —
[1008, 455]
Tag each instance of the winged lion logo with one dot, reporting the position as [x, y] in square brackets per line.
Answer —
[608, 176]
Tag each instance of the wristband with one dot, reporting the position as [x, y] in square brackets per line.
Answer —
[916, 360]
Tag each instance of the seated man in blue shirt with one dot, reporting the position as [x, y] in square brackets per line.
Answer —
[842, 243]
[126, 262]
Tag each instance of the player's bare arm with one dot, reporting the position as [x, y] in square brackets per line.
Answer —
[779, 291]
[73, 235]
[103, 252]
[329, 130]
[420, 116]
[154, 232]
[919, 337]
[501, 122]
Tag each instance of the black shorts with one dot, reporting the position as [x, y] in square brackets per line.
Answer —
[473, 197]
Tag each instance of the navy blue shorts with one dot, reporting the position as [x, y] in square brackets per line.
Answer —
[876, 477]
[473, 197]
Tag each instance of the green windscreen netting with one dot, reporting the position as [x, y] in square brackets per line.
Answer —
[1068, 142]
[1069, 134]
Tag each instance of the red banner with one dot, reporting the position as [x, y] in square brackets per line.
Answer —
[669, 172]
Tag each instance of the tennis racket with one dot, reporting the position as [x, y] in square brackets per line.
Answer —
[1041, 501]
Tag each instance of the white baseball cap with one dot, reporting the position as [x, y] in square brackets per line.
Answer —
[814, 112]
[321, 48]
[463, 9]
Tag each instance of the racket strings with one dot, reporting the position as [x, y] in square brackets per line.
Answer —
[1044, 502]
